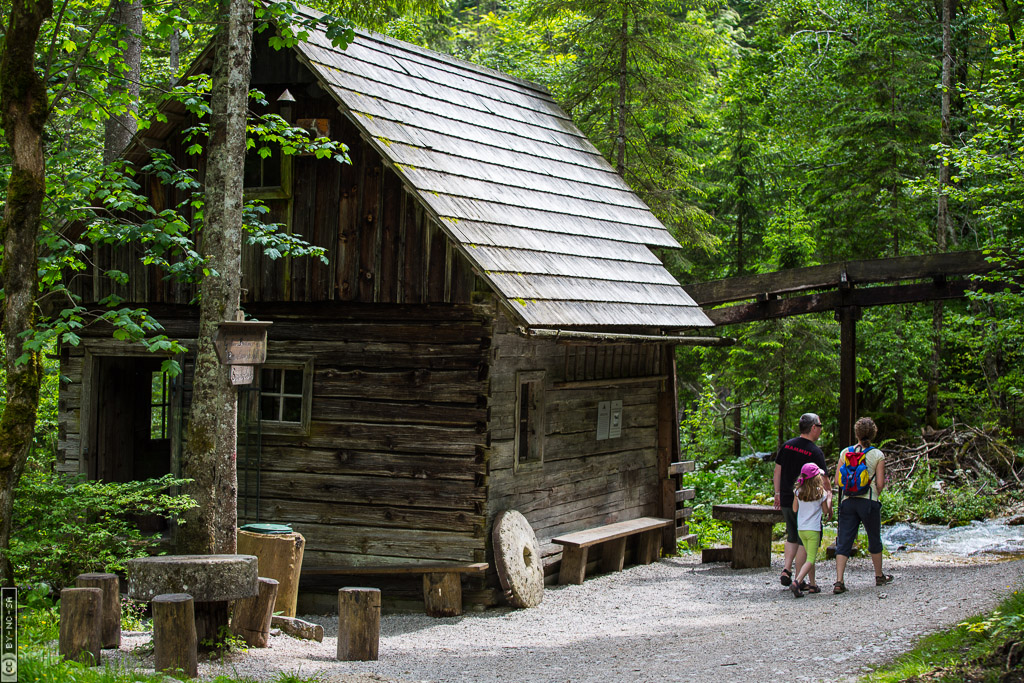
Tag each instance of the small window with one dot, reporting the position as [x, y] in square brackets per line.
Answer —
[159, 405]
[529, 446]
[267, 177]
[262, 172]
[285, 397]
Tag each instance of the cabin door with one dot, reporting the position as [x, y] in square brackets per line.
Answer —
[131, 408]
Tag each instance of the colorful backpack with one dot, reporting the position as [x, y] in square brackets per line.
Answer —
[854, 477]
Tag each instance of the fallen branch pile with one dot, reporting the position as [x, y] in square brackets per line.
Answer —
[960, 452]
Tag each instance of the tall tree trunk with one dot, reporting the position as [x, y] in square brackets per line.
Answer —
[24, 108]
[209, 457]
[125, 80]
[620, 138]
[942, 217]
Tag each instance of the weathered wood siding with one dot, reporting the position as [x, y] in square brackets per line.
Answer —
[393, 468]
[583, 482]
[380, 244]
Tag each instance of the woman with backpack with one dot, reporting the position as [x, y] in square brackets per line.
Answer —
[861, 479]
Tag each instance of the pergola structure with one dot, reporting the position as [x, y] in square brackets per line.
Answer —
[844, 287]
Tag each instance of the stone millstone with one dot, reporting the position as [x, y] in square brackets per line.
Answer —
[207, 578]
[517, 559]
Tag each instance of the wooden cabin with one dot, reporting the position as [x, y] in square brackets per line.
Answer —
[492, 330]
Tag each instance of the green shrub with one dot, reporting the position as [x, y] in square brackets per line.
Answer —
[65, 526]
[928, 500]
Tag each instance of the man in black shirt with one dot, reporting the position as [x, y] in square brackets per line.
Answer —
[793, 455]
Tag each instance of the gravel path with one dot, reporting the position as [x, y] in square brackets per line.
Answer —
[675, 620]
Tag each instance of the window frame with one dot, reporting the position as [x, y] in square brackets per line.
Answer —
[301, 428]
[536, 423]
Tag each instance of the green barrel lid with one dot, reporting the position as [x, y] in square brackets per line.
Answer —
[267, 528]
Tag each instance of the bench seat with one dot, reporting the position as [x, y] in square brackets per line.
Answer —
[751, 532]
[612, 538]
[442, 581]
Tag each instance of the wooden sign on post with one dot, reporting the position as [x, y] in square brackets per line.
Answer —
[242, 344]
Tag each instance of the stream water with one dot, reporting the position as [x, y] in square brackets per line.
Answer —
[993, 536]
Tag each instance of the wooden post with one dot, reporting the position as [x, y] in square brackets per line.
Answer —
[110, 610]
[251, 618]
[668, 448]
[648, 546]
[442, 594]
[751, 544]
[80, 624]
[848, 316]
[358, 624]
[211, 618]
[174, 634]
[574, 565]
[613, 555]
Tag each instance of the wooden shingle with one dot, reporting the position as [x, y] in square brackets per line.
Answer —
[517, 188]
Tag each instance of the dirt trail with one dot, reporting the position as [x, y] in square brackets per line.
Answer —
[675, 620]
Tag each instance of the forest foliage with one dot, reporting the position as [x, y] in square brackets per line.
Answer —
[766, 134]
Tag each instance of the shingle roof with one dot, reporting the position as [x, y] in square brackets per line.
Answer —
[512, 181]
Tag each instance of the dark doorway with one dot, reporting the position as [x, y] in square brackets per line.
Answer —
[131, 436]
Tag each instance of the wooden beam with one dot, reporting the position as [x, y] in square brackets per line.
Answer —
[829, 276]
[827, 301]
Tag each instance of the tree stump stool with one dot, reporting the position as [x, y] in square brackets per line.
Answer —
[358, 624]
[211, 580]
[79, 638]
[251, 618]
[110, 610]
[174, 634]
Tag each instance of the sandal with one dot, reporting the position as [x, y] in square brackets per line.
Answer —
[786, 578]
[883, 579]
[838, 587]
[804, 585]
[797, 593]
[812, 589]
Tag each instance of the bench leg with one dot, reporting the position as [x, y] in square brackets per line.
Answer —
[613, 555]
[442, 594]
[650, 544]
[751, 545]
[574, 565]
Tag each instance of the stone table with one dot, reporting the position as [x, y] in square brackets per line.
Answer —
[211, 580]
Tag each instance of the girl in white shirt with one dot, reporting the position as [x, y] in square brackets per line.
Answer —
[812, 498]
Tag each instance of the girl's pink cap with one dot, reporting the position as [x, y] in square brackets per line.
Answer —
[808, 471]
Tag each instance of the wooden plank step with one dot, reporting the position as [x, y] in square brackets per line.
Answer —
[683, 513]
[681, 467]
[399, 569]
[685, 494]
[685, 536]
[608, 532]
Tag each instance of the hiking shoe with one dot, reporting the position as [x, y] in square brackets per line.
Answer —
[786, 578]
[838, 587]
[883, 579]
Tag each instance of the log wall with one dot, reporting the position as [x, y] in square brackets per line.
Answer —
[393, 467]
[583, 482]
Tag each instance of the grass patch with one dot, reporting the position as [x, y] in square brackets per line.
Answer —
[984, 648]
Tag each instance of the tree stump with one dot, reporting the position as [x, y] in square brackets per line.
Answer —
[442, 594]
[174, 634]
[279, 556]
[251, 618]
[110, 611]
[80, 624]
[358, 624]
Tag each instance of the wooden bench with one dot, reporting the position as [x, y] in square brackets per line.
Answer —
[751, 532]
[612, 538]
[442, 582]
